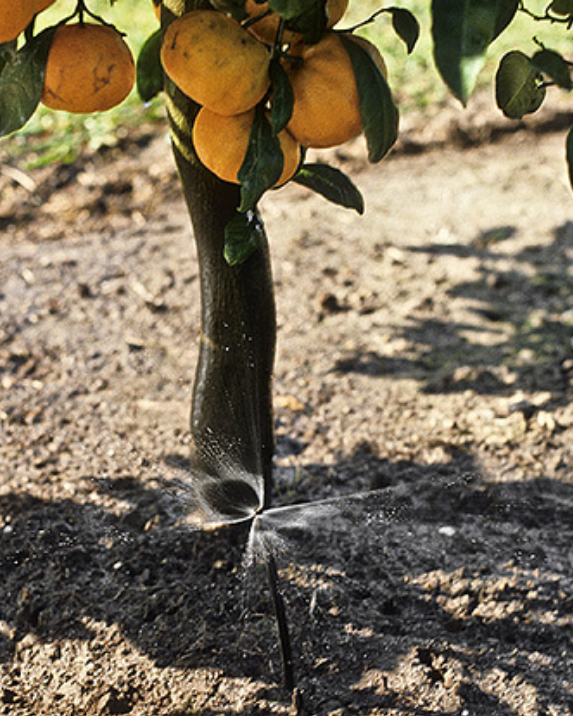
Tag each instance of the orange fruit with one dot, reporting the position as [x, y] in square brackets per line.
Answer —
[216, 62]
[326, 109]
[89, 69]
[266, 28]
[15, 16]
[221, 143]
[157, 8]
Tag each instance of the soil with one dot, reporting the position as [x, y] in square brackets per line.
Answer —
[423, 387]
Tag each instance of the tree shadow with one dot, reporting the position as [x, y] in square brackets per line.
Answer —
[525, 304]
[431, 584]
[442, 584]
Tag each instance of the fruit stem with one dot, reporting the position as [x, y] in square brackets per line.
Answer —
[368, 20]
[82, 9]
[29, 31]
[278, 43]
[253, 20]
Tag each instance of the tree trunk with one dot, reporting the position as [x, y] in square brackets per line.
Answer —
[231, 416]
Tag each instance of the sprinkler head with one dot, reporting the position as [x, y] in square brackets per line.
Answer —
[231, 499]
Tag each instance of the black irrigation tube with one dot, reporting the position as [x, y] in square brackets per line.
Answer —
[282, 623]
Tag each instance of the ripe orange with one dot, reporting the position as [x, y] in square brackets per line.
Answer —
[15, 15]
[221, 144]
[326, 105]
[266, 28]
[216, 62]
[90, 69]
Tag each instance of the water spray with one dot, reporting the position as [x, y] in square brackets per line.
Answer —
[235, 496]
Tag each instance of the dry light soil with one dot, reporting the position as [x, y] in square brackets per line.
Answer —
[423, 387]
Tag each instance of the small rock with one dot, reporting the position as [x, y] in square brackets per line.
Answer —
[329, 303]
[8, 696]
[546, 421]
[114, 703]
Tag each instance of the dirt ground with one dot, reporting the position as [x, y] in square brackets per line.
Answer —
[424, 367]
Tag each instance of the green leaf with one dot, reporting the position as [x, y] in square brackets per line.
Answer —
[7, 52]
[569, 154]
[311, 23]
[506, 13]
[21, 82]
[518, 88]
[561, 7]
[405, 26]
[290, 9]
[553, 65]
[243, 235]
[283, 96]
[377, 109]
[308, 17]
[332, 184]
[263, 163]
[149, 71]
[462, 30]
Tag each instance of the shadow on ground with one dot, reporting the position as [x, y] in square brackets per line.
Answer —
[430, 593]
[527, 305]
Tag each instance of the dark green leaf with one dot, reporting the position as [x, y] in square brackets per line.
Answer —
[518, 90]
[21, 82]
[561, 7]
[7, 52]
[263, 162]
[462, 30]
[506, 13]
[405, 26]
[553, 65]
[243, 235]
[377, 109]
[569, 154]
[332, 184]
[4, 59]
[295, 8]
[283, 97]
[149, 68]
[311, 23]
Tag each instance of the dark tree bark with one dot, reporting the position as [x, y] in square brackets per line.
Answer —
[231, 416]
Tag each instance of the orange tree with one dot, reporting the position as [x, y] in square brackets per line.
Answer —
[248, 87]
